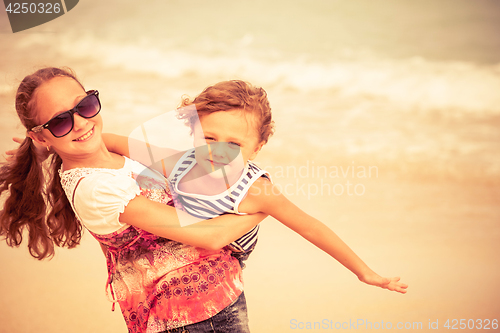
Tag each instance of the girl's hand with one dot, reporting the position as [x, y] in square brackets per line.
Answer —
[392, 284]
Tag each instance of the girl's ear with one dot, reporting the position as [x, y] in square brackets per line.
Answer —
[257, 150]
[38, 138]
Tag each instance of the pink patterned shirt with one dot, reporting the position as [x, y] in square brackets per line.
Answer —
[159, 284]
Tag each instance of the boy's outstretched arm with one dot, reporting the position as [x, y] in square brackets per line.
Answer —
[268, 199]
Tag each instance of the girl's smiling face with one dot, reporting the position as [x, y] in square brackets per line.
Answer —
[55, 97]
[226, 139]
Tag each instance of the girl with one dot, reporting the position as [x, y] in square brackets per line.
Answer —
[165, 278]
[231, 121]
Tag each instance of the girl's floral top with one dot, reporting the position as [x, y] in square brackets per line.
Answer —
[159, 284]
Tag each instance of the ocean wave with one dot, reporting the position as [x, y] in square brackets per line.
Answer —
[406, 83]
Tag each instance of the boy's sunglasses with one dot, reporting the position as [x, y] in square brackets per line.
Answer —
[63, 123]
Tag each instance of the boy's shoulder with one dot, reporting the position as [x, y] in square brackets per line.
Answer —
[260, 185]
[253, 201]
[265, 190]
[259, 196]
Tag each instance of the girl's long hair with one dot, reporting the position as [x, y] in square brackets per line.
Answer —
[32, 203]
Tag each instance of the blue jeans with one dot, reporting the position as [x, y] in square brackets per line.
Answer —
[242, 256]
[232, 319]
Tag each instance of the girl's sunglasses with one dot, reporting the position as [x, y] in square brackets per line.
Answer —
[63, 123]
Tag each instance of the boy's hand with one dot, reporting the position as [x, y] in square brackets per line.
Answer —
[10, 154]
[392, 284]
[41, 151]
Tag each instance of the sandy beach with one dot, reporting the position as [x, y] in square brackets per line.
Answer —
[386, 132]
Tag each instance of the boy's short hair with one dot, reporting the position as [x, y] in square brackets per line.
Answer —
[230, 95]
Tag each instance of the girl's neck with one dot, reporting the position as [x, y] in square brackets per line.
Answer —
[99, 159]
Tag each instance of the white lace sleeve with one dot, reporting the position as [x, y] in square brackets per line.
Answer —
[101, 197]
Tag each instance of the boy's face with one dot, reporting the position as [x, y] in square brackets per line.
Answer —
[226, 139]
